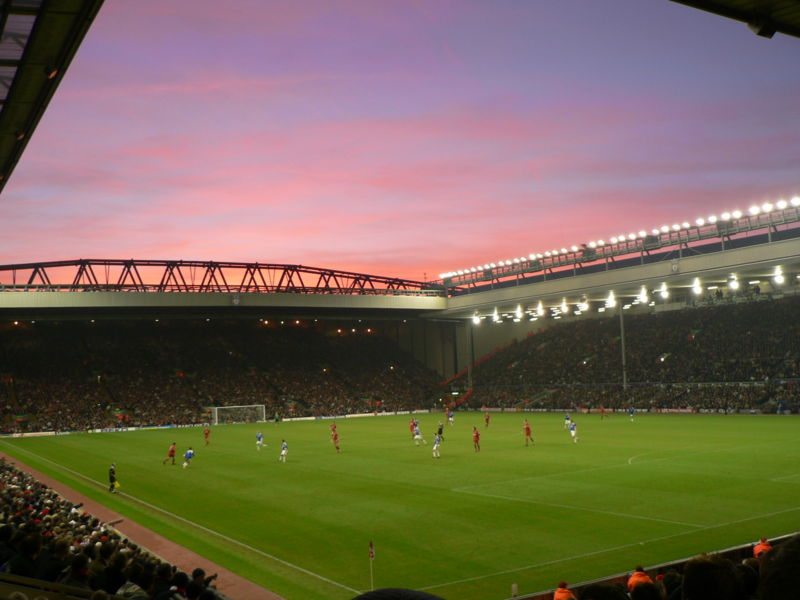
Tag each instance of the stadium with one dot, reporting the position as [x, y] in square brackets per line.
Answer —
[611, 417]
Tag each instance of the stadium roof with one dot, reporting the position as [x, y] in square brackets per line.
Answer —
[38, 39]
[764, 17]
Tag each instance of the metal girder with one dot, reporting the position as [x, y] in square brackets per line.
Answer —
[90, 275]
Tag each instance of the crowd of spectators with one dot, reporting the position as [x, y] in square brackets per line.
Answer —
[729, 356]
[46, 537]
[77, 376]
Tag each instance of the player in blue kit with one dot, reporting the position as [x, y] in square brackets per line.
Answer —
[437, 440]
[631, 413]
[187, 457]
[573, 431]
[284, 451]
[567, 420]
[259, 440]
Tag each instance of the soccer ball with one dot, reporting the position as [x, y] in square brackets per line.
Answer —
[186, 464]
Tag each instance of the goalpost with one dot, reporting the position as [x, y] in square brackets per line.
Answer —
[251, 413]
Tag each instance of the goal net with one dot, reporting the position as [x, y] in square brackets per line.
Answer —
[251, 413]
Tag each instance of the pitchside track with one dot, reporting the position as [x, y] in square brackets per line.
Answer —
[467, 525]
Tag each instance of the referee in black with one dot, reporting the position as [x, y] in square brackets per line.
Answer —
[112, 478]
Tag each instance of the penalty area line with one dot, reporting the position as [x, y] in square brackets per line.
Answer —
[221, 536]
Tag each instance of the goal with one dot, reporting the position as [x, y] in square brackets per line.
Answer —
[251, 413]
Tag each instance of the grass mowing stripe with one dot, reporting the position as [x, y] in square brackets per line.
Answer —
[191, 523]
[607, 550]
[583, 508]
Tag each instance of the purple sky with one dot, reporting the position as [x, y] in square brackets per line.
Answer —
[399, 138]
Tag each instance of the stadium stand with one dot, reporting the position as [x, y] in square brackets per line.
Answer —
[735, 356]
[74, 555]
[79, 376]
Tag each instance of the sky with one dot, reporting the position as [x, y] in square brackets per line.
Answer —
[400, 138]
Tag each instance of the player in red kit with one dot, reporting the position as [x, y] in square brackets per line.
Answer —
[207, 434]
[476, 439]
[526, 429]
[335, 439]
[170, 454]
[486, 418]
[412, 424]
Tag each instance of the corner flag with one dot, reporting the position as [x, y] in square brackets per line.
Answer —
[371, 551]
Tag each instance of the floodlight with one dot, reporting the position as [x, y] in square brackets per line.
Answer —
[601, 309]
[547, 254]
[532, 256]
[700, 222]
[754, 210]
[539, 309]
[574, 248]
[486, 267]
[767, 207]
[614, 240]
[563, 251]
[781, 204]
[473, 270]
[733, 284]
[538, 255]
[564, 306]
[443, 275]
[778, 277]
[642, 294]
[712, 219]
[516, 261]
[664, 292]
[664, 228]
[593, 245]
[502, 263]
[518, 312]
[492, 265]
[795, 201]
[696, 287]
[631, 236]
[621, 237]
[601, 242]
[737, 214]
[676, 227]
[554, 252]
[642, 233]
[655, 231]
[685, 225]
[754, 282]
[611, 301]
[460, 272]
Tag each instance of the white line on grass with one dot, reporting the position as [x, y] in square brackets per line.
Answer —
[785, 477]
[193, 524]
[606, 550]
[583, 508]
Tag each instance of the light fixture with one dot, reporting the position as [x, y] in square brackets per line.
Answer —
[663, 291]
[697, 288]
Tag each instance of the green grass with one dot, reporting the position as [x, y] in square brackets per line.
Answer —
[465, 526]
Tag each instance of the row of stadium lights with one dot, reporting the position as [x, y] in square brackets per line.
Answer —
[643, 297]
[754, 210]
[263, 321]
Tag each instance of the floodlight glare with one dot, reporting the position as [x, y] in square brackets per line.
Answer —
[642, 233]
[611, 301]
[563, 251]
[754, 210]
[518, 312]
[476, 320]
[539, 309]
[613, 240]
[631, 236]
[532, 256]
[781, 204]
[547, 254]
[592, 245]
[700, 222]
[486, 267]
[795, 201]
[502, 263]
[601, 242]
[712, 219]
[676, 227]
[564, 306]
[643, 294]
[516, 261]
[685, 225]
[733, 284]
[655, 232]
[766, 207]
[696, 287]
[492, 265]
[664, 228]
[737, 214]
[574, 248]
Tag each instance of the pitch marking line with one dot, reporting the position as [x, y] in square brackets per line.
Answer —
[583, 508]
[193, 524]
[614, 549]
[785, 477]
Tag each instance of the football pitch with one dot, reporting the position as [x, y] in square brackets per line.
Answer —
[467, 525]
